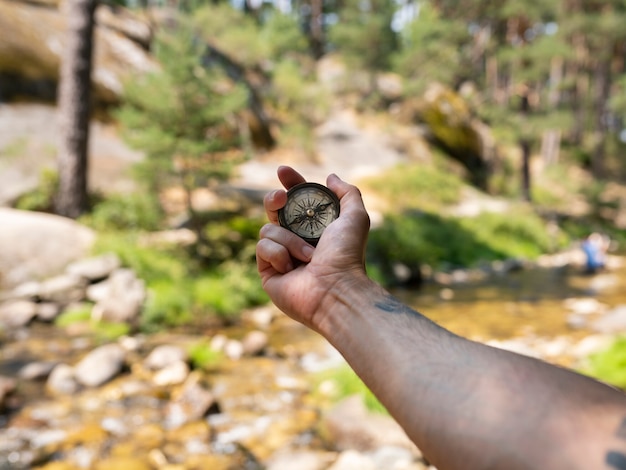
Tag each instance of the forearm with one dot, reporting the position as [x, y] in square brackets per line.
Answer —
[464, 404]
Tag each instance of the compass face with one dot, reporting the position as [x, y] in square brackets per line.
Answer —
[310, 208]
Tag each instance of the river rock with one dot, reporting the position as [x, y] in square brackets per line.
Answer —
[7, 387]
[125, 295]
[192, 402]
[172, 374]
[100, 365]
[39, 370]
[254, 343]
[48, 311]
[351, 459]
[64, 289]
[613, 321]
[96, 268]
[165, 355]
[36, 246]
[17, 313]
[62, 380]
[349, 425]
[301, 460]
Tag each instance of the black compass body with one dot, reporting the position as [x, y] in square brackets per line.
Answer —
[310, 208]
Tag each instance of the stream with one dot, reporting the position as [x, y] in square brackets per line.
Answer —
[267, 405]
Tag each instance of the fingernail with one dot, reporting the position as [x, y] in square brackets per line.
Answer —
[307, 251]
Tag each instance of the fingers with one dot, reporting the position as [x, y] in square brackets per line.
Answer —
[350, 198]
[289, 177]
[279, 247]
[273, 201]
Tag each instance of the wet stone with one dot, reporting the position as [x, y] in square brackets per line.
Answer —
[100, 365]
[62, 381]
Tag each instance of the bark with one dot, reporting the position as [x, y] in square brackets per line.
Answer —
[74, 103]
[525, 146]
[317, 28]
[602, 77]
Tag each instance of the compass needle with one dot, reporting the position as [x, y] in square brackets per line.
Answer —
[310, 207]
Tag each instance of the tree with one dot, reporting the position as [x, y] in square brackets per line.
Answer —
[74, 108]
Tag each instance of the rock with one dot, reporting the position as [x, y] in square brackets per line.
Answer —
[254, 343]
[396, 458]
[233, 349]
[7, 387]
[301, 460]
[192, 402]
[27, 291]
[17, 313]
[48, 311]
[584, 306]
[36, 245]
[172, 374]
[62, 381]
[351, 460]
[613, 321]
[165, 355]
[33, 40]
[100, 365]
[63, 288]
[39, 370]
[349, 425]
[94, 269]
[124, 300]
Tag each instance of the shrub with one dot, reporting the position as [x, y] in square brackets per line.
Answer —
[609, 365]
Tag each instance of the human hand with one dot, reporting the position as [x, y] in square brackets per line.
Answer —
[300, 278]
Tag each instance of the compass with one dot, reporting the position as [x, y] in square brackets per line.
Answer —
[310, 208]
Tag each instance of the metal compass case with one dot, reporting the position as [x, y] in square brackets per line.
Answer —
[310, 208]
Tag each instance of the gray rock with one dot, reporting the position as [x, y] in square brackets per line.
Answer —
[613, 321]
[172, 374]
[36, 246]
[48, 311]
[126, 295]
[349, 425]
[63, 288]
[193, 402]
[100, 365]
[254, 343]
[25, 291]
[37, 370]
[7, 387]
[17, 313]
[165, 355]
[62, 380]
[94, 269]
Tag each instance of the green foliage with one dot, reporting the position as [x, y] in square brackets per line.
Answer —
[184, 115]
[417, 187]
[609, 365]
[203, 356]
[78, 314]
[344, 383]
[81, 314]
[415, 239]
[138, 211]
[42, 197]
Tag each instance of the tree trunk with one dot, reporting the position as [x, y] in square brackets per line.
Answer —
[525, 146]
[603, 87]
[74, 108]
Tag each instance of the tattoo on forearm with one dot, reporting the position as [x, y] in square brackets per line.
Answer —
[616, 459]
[392, 305]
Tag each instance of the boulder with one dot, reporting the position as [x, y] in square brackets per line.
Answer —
[32, 40]
[96, 268]
[121, 298]
[35, 246]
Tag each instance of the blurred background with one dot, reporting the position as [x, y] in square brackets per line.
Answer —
[137, 140]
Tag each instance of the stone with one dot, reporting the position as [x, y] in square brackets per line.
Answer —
[17, 313]
[300, 460]
[233, 349]
[100, 365]
[165, 355]
[35, 246]
[7, 387]
[48, 311]
[39, 370]
[62, 381]
[26, 291]
[192, 402]
[254, 343]
[614, 321]
[351, 460]
[172, 374]
[96, 268]
[349, 425]
[63, 288]
[124, 300]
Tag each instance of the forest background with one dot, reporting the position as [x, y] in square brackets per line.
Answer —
[522, 101]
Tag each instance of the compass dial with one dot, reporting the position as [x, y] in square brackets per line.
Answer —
[310, 208]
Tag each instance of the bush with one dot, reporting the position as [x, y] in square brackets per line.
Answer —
[609, 365]
[139, 211]
[42, 197]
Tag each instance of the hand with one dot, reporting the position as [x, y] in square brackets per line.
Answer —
[300, 278]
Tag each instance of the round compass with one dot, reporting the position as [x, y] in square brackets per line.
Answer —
[310, 208]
